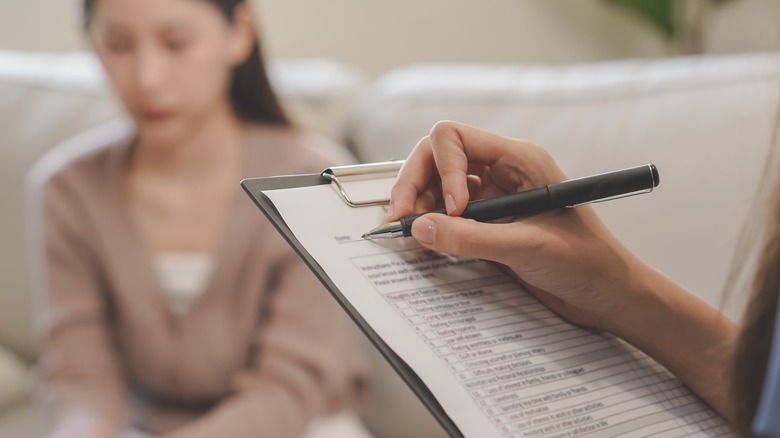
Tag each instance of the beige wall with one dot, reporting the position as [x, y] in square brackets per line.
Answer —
[376, 35]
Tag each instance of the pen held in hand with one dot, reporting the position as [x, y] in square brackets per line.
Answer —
[566, 194]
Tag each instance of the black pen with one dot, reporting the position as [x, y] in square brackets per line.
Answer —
[569, 193]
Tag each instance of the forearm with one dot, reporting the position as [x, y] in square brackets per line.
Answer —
[683, 333]
[306, 366]
[269, 411]
[76, 404]
[81, 379]
[83, 423]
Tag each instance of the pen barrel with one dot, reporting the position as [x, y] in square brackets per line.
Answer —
[520, 204]
[604, 186]
[568, 193]
[525, 203]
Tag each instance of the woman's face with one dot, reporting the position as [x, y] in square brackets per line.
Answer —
[170, 61]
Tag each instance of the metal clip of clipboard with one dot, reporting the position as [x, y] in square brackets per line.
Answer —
[344, 178]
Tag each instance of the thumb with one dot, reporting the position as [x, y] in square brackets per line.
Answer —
[467, 237]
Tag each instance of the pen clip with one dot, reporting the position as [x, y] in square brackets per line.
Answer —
[609, 198]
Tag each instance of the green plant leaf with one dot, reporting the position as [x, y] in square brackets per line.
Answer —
[659, 13]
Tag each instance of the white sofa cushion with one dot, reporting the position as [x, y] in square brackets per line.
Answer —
[706, 122]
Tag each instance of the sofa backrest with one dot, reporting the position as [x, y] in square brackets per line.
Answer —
[43, 100]
[47, 97]
[706, 122]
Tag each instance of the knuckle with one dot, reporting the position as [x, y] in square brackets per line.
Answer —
[400, 188]
[535, 150]
[541, 165]
[425, 202]
[423, 142]
[403, 196]
[461, 242]
[442, 127]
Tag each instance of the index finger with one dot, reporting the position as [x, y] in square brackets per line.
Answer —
[413, 178]
[445, 153]
[513, 163]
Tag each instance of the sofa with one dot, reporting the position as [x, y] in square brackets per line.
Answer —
[707, 122]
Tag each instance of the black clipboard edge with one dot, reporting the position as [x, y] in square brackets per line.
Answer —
[254, 187]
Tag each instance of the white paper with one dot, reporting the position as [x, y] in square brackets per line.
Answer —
[499, 363]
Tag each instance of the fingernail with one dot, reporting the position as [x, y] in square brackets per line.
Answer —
[449, 203]
[389, 210]
[424, 230]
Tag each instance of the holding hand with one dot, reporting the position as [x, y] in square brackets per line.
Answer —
[81, 424]
[567, 258]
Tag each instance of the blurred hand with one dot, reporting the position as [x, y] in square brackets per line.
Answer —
[82, 425]
[95, 432]
[567, 258]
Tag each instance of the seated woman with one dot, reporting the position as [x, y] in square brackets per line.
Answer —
[166, 304]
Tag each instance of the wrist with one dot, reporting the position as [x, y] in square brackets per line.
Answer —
[692, 339]
[653, 307]
[641, 303]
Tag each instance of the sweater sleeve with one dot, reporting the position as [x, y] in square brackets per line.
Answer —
[307, 365]
[79, 374]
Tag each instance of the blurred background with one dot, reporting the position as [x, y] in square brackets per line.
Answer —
[375, 35]
[531, 69]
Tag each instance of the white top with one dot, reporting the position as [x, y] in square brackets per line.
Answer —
[183, 276]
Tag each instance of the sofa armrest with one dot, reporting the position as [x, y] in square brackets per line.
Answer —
[15, 380]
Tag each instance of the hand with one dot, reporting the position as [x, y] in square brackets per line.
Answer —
[94, 432]
[567, 258]
[82, 425]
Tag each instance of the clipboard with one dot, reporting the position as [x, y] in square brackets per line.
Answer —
[542, 374]
[341, 177]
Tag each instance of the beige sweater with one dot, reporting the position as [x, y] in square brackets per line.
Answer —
[264, 349]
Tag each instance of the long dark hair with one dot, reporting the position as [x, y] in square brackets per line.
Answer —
[755, 339]
[251, 94]
[762, 233]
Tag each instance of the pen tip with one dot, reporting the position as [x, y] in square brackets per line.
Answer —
[365, 236]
